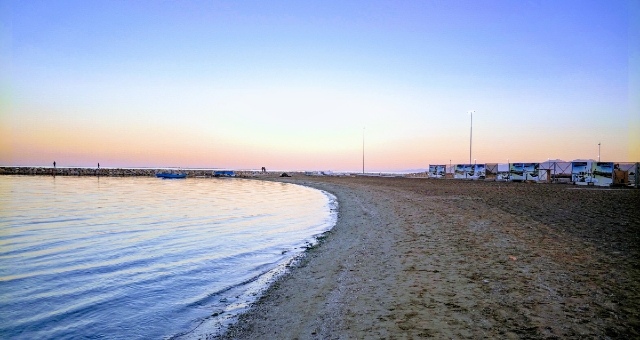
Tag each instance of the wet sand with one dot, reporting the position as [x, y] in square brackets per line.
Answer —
[413, 258]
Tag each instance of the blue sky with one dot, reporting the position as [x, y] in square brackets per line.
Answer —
[290, 85]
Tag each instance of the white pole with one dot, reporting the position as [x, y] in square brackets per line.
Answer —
[363, 150]
[471, 135]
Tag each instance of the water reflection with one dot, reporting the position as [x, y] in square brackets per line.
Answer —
[128, 256]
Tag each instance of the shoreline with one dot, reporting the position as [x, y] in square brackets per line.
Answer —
[219, 322]
[459, 259]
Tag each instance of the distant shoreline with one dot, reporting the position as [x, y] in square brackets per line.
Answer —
[566, 178]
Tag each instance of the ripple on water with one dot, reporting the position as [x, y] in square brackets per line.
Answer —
[142, 257]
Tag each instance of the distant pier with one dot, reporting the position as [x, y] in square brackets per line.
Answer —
[122, 172]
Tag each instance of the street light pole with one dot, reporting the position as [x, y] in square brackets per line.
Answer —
[363, 150]
[471, 135]
[598, 152]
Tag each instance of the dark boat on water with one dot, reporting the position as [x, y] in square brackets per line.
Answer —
[170, 175]
[224, 173]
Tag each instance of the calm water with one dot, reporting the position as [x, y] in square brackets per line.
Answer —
[127, 258]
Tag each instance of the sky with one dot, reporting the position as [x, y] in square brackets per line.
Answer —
[317, 85]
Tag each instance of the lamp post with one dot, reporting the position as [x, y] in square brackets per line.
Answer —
[471, 134]
[363, 150]
[598, 152]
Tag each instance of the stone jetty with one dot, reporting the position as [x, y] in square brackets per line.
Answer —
[122, 172]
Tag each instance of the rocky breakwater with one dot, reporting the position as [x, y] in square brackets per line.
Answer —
[122, 172]
[49, 171]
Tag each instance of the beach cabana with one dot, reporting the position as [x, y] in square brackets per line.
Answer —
[581, 173]
[594, 173]
[603, 173]
[469, 171]
[463, 171]
[437, 171]
[520, 172]
[479, 171]
[503, 172]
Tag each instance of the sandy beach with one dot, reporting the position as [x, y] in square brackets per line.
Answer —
[414, 258]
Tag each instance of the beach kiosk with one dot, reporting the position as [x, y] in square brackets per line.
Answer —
[520, 172]
[581, 173]
[463, 171]
[470, 171]
[503, 172]
[603, 173]
[594, 173]
[516, 172]
[437, 171]
[479, 171]
[531, 171]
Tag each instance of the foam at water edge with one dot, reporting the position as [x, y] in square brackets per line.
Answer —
[252, 290]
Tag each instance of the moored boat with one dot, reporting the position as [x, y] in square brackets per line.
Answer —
[224, 173]
[170, 175]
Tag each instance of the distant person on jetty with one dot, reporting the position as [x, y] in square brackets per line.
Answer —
[98, 166]
[264, 169]
[54, 164]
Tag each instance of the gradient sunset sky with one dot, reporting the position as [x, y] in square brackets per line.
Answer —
[296, 85]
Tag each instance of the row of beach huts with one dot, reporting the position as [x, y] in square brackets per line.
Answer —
[579, 172]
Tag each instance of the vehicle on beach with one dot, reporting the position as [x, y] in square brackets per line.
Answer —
[170, 175]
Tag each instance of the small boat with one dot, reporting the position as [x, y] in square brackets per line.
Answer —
[170, 175]
[224, 173]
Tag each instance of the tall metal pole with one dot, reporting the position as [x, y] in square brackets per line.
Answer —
[363, 150]
[598, 152]
[471, 135]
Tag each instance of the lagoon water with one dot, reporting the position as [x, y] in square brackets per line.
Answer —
[133, 258]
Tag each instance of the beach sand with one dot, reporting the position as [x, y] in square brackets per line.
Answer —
[413, 258]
